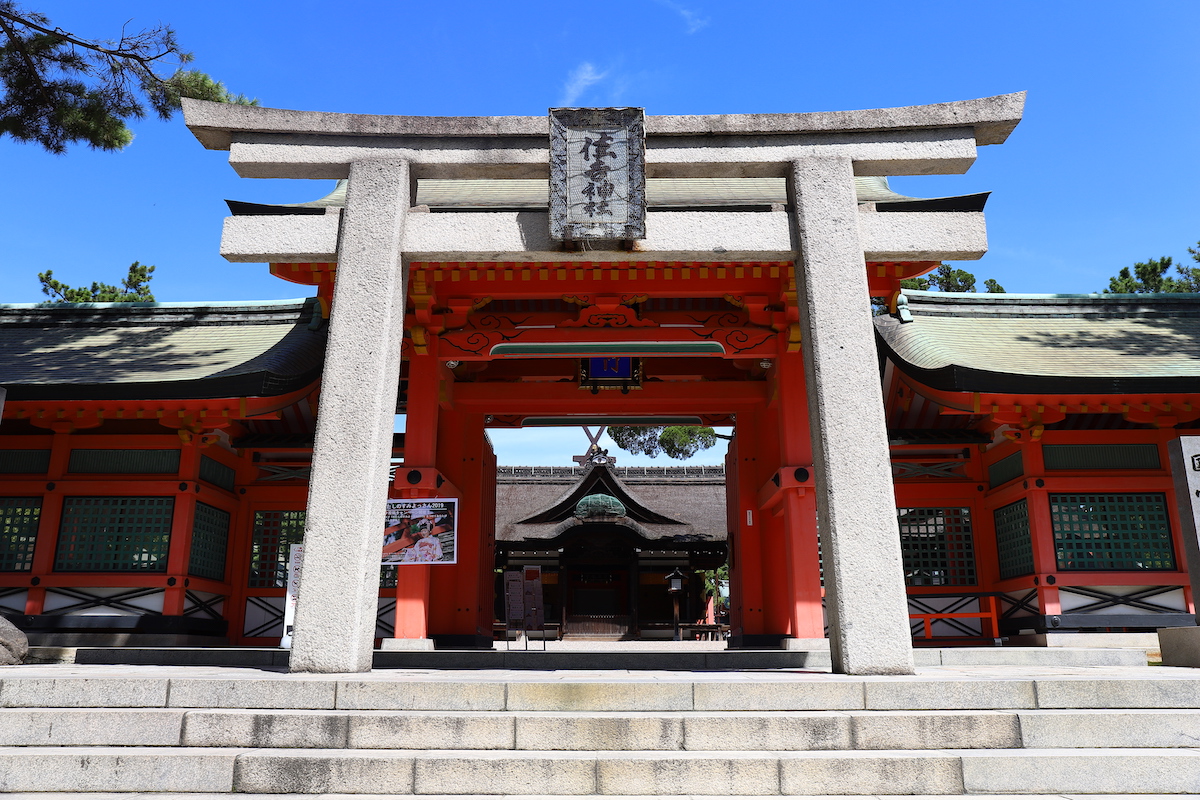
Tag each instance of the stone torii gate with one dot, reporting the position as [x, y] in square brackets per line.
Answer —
[827, 236]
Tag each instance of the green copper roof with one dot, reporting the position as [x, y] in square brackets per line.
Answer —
[599, 505]
[1048, 343]
[145, 351]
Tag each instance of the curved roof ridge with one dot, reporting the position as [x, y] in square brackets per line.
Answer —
[599, 475]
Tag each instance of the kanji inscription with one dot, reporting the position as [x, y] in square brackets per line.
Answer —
[597, 174]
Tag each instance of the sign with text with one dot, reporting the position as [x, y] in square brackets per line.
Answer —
[597, 173]
[523, 600]
[295, 567]
[421, 531]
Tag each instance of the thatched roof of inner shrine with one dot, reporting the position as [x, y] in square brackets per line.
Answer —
[664, 504]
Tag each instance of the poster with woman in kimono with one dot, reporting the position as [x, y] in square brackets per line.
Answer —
[420, 531]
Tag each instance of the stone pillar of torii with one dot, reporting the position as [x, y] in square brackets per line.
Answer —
[827, 238]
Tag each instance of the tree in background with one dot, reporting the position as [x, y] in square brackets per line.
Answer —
[1151, 276]
[134, 288]
[948, 279]
[677, 441]
[60, 89]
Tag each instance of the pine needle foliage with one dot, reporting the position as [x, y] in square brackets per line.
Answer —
[677, 441]
[949, 279]
[1151, 276]
[134, 288]
[61, 89]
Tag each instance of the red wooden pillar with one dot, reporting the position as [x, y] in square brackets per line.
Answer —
[49, 522]
[776, 537]
[237, 566]
[184, 514]
[804, 559]
[745, 574]
[420, 454]
[241, 539]
[412, 601]
[776, 570]
[458, 596]
[1041, 528]
[799, 503]
[487, 553]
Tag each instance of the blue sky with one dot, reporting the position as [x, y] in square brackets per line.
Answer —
[1102, 172]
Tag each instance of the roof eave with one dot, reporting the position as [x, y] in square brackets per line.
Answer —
[957, 378]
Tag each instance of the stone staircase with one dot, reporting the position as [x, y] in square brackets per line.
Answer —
[77, 729]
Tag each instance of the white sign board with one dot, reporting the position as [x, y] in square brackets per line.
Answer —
[295, 565]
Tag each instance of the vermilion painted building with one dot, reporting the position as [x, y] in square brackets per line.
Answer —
[154, 463]
[157, 460]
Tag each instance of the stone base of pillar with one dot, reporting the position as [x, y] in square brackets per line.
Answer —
[804, 644]
[406, 644]
[1180, 646]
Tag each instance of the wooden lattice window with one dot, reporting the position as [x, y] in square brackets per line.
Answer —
[937, 546]
[1014, 546]
[274, 534]
[1095, 532]
[114, 534]
[19, 517]
[210, 537]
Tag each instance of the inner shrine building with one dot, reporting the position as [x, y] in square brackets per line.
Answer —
[930, 468]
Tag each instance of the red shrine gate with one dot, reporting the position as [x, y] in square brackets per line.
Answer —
[501, 345]
[755, 315]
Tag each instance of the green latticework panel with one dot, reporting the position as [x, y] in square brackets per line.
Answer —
[937, 546]
[274, 534]
[114, 534]
[1112, 531]
[29, 462]
[599, 505]
[1005, 470]
[210, 536]
[1101, 456]
[1014, 547]
[126, 462]
[217, 473]
[19, 517]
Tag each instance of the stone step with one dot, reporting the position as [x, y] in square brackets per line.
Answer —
[721, 692]
[545, 773]
[342, 796]
[810, 654]
[652, 731]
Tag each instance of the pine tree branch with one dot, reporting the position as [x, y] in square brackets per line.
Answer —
[19, 43]
[131, 54]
